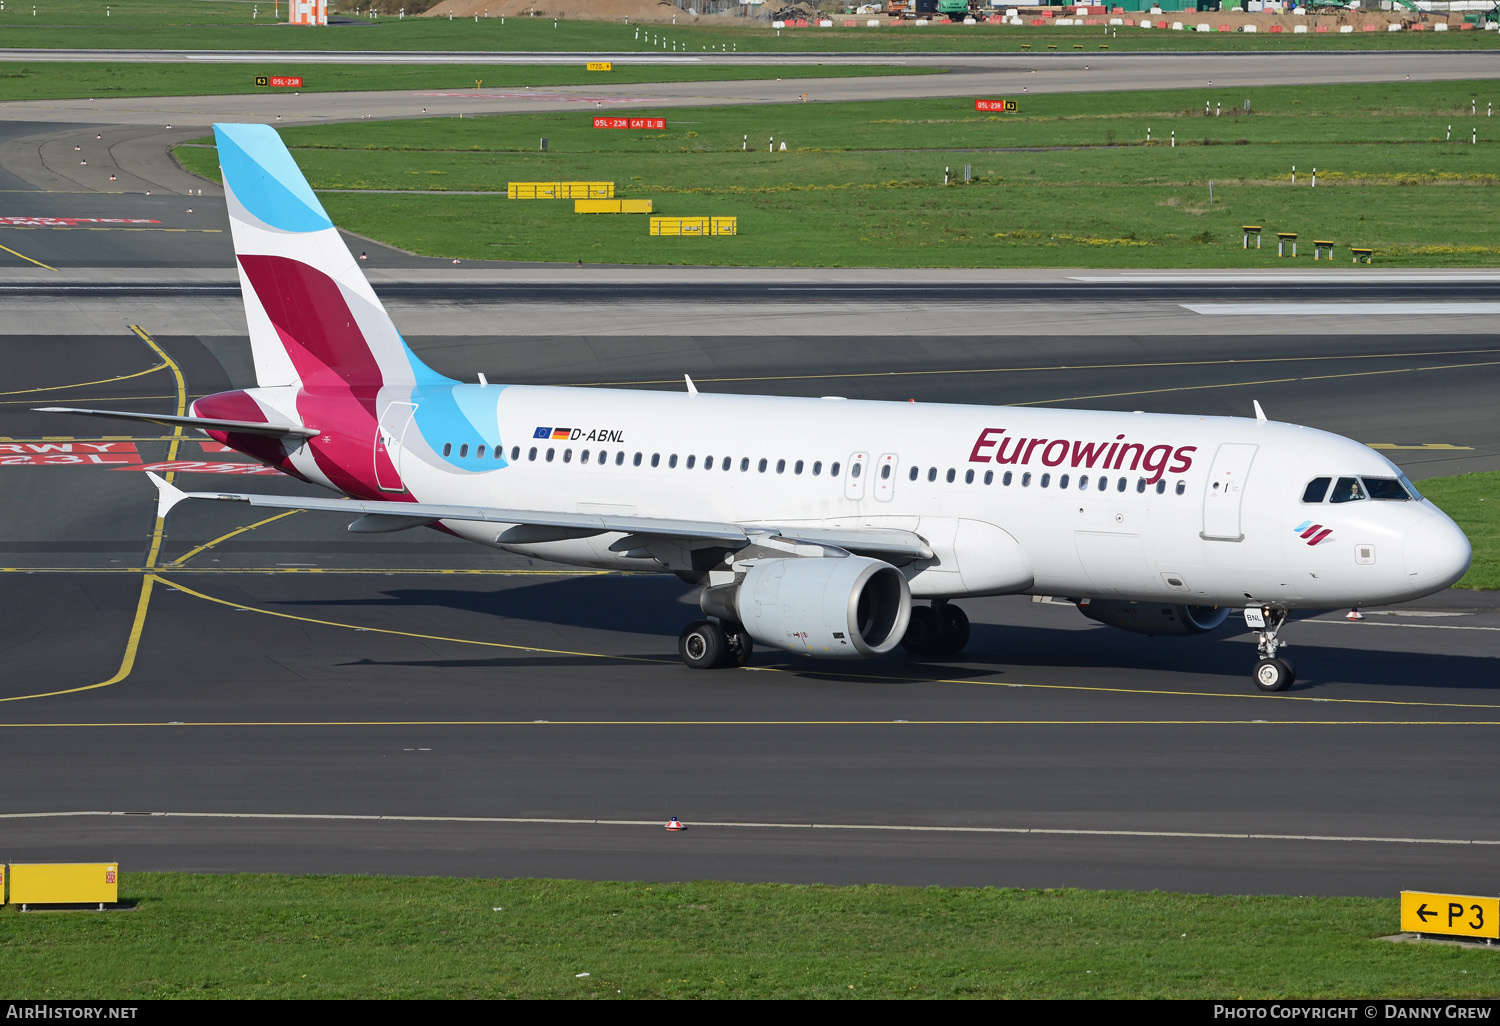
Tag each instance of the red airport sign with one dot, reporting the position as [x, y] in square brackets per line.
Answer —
[630, 122]
[279, 81]
[1004, 106]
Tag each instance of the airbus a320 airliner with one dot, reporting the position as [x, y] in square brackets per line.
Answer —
[813, 525]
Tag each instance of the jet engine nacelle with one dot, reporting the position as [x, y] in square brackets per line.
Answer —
[1155, 618]
[839, 607]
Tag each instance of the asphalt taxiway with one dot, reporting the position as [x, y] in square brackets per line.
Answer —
[274, 694]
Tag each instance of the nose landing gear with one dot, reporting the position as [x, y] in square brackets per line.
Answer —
[1272, 673]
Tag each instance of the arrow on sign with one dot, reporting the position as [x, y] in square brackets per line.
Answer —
[1423, 911]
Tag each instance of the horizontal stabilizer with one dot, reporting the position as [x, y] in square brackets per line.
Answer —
[239, 427]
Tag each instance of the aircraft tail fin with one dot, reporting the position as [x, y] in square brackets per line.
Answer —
[314, 320]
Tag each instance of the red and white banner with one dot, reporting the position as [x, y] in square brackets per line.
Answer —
[51, 454]
[70, 222]
[206, 467]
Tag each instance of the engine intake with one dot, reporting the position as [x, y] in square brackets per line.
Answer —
[1154, 618]
[829, 608]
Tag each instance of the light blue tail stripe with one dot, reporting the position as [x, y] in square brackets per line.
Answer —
[260, 172]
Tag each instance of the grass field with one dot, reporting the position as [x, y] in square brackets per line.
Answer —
[1069, 181]
[45, 81]
[1473, 501]
[373, 937]
[229, 25]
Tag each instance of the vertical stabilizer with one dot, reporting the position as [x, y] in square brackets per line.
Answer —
[314, 320]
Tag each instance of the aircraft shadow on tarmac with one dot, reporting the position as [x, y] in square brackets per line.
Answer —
[657, 606]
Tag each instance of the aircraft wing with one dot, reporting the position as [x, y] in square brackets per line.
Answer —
[240, 427]
[380, 516]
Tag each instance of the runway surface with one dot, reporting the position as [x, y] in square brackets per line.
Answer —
[272, 693]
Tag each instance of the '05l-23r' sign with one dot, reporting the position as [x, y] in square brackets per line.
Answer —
[630, 122]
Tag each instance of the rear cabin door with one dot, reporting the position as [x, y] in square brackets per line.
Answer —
[393, 423]
[1224, 491]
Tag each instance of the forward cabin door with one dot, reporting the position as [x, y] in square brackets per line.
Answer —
[393, 423]
[1224, 491]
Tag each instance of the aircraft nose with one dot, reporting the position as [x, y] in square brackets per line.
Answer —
[1437, 554]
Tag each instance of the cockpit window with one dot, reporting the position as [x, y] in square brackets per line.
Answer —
[1385, 488]
[1317, 489]
[1411, 489]
[1348, 489]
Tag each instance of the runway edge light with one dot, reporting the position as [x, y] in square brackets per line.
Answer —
[1455, 915]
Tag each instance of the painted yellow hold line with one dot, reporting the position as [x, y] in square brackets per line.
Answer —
[28, 259]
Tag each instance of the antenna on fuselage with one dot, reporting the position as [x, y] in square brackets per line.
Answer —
[1260, 414]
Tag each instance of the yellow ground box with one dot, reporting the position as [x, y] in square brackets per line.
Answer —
[695, 226]
[559, 190]
[600, 66]
[1460, 915]
[64, 883]
[2, 884]
[612, 206]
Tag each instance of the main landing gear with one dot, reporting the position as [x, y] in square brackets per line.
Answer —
[938, 629]
[705, 645]
[1272, 673]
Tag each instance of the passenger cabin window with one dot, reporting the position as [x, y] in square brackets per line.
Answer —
[1317, 489]
[833, 471]
[989, 476]
[620, 458]
[515, 453]
[656, 459]
[1348, 489]
[531, 455]
[637, 460]
[672, 460]
[911, 475]
[1181, 487]
[932, 473]
[854, 470]
[447, 448]
[551, 453]
[817, 467]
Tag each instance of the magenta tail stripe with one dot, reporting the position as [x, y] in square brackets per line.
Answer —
[308, 309]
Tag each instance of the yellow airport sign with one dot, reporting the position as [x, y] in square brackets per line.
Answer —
[64, 883]
[601, 66]
[1458, 915]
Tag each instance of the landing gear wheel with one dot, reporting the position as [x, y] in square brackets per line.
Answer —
[922, 633]
[953, 629]
[740, 647]
[1274, 674]
[703, 645]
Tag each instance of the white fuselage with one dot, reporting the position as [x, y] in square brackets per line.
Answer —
[1181, 509]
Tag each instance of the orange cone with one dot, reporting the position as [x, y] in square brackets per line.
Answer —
[675, 824]
[1354, 616]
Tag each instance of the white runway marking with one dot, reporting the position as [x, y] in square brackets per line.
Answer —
[735, 825]
[1295, 309]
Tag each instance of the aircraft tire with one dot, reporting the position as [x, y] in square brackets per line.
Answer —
[953, 629]
[922, 633]
[1274, 675]
[702, 645]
